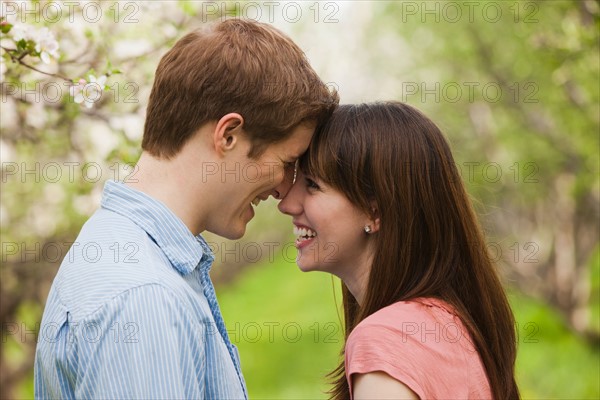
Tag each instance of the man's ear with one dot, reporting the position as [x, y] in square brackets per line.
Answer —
[227, 132]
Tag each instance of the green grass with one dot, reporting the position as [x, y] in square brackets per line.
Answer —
[286, 328]
[552, 362]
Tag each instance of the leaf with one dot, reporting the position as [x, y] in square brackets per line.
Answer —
[5, 27]
[111, 70]
[21, 44]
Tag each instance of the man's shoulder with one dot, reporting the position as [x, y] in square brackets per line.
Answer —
[113, 244]
[110, 256]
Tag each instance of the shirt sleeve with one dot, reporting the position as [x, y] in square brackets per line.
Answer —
[373, 348]
[144, 344]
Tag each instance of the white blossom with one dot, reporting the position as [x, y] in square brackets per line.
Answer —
[46, 44]
[88, 92]
[44, 40]
[21, 31]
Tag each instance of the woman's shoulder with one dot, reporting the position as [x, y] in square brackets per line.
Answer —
[408, 312]
[420, 329]
[423, 343]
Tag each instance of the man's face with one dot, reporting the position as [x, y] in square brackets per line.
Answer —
[250, 181]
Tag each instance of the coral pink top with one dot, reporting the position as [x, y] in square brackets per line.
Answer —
[423, 344]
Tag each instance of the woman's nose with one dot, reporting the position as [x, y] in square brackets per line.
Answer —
[291, 204]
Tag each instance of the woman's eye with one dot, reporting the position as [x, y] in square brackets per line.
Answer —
[311, 184]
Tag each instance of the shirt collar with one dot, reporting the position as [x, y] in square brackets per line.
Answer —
[182, 248]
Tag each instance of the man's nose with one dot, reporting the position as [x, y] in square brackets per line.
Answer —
[293, 202]
[284, 187]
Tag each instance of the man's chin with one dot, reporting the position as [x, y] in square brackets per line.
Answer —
[235, 234]
[231, 234]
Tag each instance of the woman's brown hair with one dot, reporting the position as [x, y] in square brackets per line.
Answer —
[430, 243]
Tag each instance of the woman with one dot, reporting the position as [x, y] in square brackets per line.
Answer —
[379, 203]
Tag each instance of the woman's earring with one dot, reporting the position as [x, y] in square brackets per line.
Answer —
[368, 228]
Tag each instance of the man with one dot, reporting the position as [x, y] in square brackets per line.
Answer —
[231, 110]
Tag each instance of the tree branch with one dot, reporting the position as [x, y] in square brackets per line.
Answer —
[19, 60]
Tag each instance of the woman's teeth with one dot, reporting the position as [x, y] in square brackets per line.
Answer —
[255, 201]
[304, 232]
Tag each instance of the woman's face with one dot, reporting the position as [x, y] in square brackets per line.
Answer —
[330, 230]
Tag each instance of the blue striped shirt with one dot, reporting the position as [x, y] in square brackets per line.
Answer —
[132, 312]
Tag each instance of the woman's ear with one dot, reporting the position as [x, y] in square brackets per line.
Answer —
[374, 221]
[227, 132]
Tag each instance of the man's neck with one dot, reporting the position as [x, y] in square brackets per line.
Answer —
[169, 182]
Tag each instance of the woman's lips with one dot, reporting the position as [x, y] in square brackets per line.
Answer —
[305, 235]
